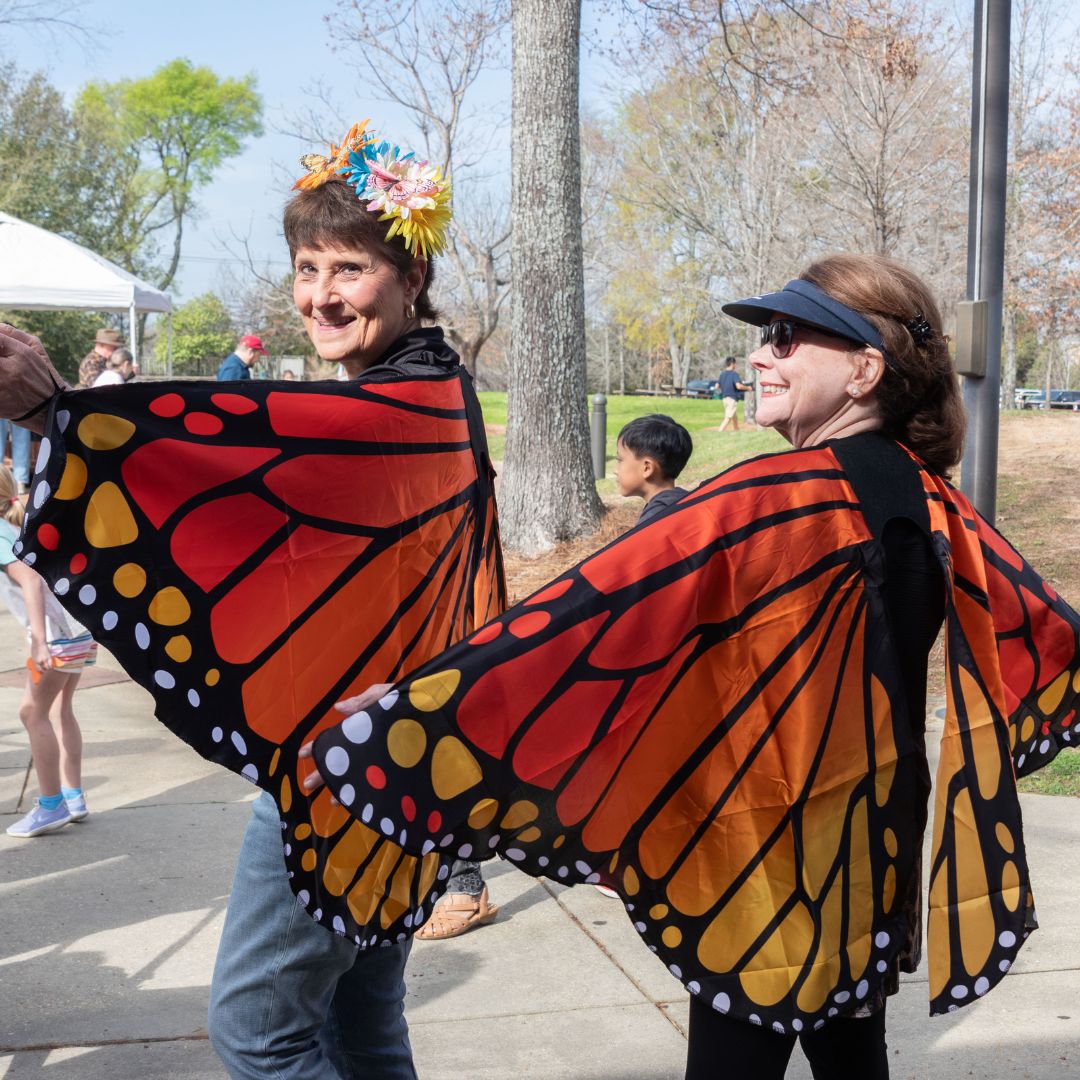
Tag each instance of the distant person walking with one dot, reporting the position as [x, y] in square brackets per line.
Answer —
[732, 389]
[106, 342]
[238, 364]
[59, 650]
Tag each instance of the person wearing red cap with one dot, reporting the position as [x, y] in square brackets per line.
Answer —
[238, 364]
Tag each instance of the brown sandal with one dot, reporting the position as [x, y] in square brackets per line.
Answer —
[457, 914]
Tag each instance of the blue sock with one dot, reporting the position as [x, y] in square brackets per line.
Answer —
[50, 802]
[71, 792]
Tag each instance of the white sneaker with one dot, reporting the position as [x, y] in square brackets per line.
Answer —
[77, 808]
[40, 821]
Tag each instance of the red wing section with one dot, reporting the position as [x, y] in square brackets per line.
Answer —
[253, 557]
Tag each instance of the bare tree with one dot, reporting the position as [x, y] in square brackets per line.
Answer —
[707, 202]
[426, 56]
[548, 493]
[1042, 278]
[891, 141]
[760, 136]
[53, 18]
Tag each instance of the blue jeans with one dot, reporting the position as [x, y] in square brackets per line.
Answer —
[291, 1000]
[20, 449]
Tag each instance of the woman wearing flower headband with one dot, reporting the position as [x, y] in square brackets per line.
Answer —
[721, 715]
[350, 529]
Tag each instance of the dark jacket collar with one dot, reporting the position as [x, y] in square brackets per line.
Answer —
[417, 352]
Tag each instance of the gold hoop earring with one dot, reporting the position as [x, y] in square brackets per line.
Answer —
[410, 311]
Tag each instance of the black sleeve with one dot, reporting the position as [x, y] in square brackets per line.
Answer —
[915, 602]
[893, 503]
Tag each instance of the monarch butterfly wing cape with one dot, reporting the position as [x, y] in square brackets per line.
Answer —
[252, 553]
[1013, 652]
[666, 719]
[706, 717]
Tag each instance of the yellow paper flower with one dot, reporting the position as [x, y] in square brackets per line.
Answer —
[411, 194]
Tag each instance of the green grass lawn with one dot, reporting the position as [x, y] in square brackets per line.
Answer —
[714, 451]
[1060, 777]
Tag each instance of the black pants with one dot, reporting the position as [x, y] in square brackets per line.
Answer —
[725, 1049]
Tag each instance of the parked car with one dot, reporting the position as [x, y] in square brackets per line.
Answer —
[1065, 399]
[1027, 398]
[701, 388]
[1059, 399]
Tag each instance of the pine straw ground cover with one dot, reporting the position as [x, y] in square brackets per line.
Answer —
[1038, 509]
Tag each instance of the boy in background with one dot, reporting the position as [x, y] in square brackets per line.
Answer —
[650, 453]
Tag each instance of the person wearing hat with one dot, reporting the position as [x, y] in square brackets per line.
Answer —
[106, 342]
[238, 364]
[119, 369]
[721, 716]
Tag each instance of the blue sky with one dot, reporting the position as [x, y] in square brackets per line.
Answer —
[285, 43]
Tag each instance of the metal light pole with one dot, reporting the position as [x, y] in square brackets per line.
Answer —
[986, 244]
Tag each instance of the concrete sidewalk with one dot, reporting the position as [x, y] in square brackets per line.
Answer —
[109, 930]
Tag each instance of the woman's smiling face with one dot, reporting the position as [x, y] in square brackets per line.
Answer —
[801, 394]
[354, 303]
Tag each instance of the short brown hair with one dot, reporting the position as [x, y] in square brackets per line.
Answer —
[920, 400]
[332, 214]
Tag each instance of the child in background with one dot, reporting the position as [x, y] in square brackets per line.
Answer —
[59, 650]
[649, 455]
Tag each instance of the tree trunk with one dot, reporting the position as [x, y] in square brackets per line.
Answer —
[548, 492]
[607, 359]
[468, 352]
[1008, 371]
[1050, 354]
[750, 401]
[750, 377]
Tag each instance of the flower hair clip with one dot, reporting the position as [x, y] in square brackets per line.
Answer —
[411, 194]
[919, 329]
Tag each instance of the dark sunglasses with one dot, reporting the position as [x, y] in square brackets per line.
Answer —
[781, 336]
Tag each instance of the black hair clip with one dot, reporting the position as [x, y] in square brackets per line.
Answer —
[919, 329]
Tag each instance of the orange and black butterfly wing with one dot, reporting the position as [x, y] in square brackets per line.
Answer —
[252, 556]
[1012, 653]
[1038, 638]
[703, 716]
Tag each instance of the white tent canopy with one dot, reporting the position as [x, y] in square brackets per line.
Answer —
[41, 271]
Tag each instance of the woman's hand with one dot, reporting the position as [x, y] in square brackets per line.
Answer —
[27, 378]
[39, 653]
[313, 781]
[33, 591]
[372, 694]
